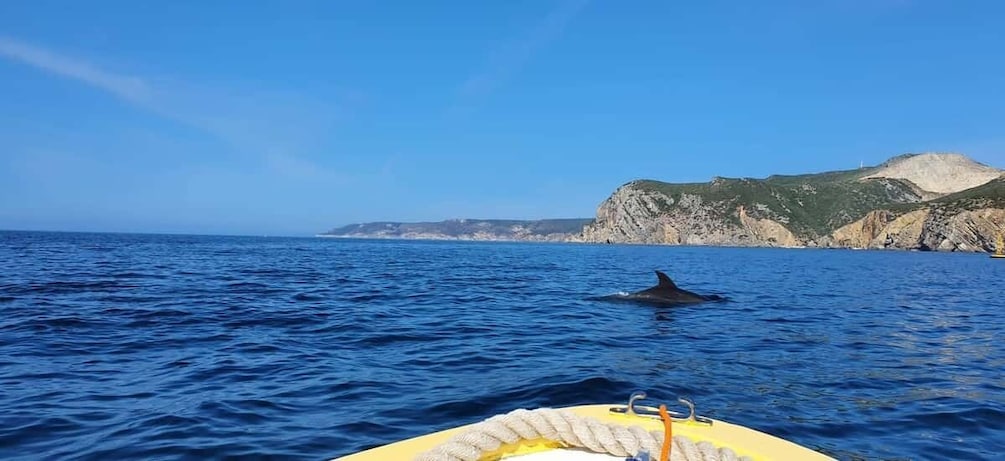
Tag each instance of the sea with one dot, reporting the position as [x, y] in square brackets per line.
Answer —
[122, 346]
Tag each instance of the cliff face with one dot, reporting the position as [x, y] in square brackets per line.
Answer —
[880, 207]
[925, 229]
[643, 216]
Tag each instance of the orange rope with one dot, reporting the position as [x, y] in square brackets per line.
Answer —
[667, 434]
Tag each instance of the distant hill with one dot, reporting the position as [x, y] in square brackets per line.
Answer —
[938, 173]
[958, 201]
[468, 229]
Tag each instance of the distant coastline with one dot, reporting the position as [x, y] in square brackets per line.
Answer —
[446, 239]
[542, 230]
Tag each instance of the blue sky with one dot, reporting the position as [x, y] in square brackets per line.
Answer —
[294, 117]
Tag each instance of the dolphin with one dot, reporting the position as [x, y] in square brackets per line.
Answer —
[665, 293]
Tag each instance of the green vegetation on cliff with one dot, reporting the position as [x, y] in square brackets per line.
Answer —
[989, 195]
[809, 205]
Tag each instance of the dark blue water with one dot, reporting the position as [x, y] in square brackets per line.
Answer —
[147, 347]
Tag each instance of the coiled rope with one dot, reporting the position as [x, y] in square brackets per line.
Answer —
[573, 431]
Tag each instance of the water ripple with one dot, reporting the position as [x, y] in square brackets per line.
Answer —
[143, 346]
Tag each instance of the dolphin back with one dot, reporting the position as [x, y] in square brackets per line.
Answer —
[665, 292]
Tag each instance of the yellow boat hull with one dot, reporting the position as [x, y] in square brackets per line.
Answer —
[742, 440]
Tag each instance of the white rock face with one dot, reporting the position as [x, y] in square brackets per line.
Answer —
[940, 173]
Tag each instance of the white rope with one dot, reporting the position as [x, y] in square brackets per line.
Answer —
[573, 431]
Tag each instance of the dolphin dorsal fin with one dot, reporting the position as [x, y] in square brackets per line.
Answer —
[665, 281]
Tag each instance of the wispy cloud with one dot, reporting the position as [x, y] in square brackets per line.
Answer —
[124, 86]
[515, 53]
[277, 127]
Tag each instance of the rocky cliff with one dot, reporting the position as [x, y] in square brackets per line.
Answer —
[968, 220]
[926, 201]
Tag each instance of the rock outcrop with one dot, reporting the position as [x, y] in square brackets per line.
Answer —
[766, 230]
[881, 229]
